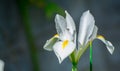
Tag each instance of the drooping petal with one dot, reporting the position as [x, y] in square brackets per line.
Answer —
[63, 49]
[2, 65]
[108, 44]
[49, 43]
[86, 27]
[60, 24]
[71, 25]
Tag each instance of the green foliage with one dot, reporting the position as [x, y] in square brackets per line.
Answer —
[51, 9]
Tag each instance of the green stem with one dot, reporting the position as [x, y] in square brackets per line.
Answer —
[91, 56]
[74, 67]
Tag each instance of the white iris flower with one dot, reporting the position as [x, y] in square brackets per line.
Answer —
[64, 42]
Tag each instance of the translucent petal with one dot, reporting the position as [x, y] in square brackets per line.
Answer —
[49, 43]
[60, 24]
[63, 53]
[108, 44]
[2, 65]
[86, 27]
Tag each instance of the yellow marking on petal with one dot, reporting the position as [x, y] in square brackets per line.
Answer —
[100, 37]
[56, 35]
[65, 43]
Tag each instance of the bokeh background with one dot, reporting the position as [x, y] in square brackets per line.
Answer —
[25, 25]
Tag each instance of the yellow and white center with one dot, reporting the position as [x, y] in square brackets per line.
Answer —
[65, 43]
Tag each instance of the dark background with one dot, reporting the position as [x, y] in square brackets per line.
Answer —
[25, 25]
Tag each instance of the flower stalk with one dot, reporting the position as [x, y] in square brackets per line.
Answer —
[91, 56]
[74, 67]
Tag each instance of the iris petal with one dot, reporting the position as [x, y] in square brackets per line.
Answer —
[86, 27]
[63, 53]
[49, 43]
[71, 25]
[108, 44]
[60, 24]
[94, 33]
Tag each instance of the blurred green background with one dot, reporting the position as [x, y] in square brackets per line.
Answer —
[25, 25]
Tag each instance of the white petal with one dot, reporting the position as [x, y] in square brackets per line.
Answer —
[70, 23]
[86, 27]
[63, 53]
[66, 36]
[49, 43]
[94, 33]
[60, 24]
[108, 44]
[2, 65]
[110, 47]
